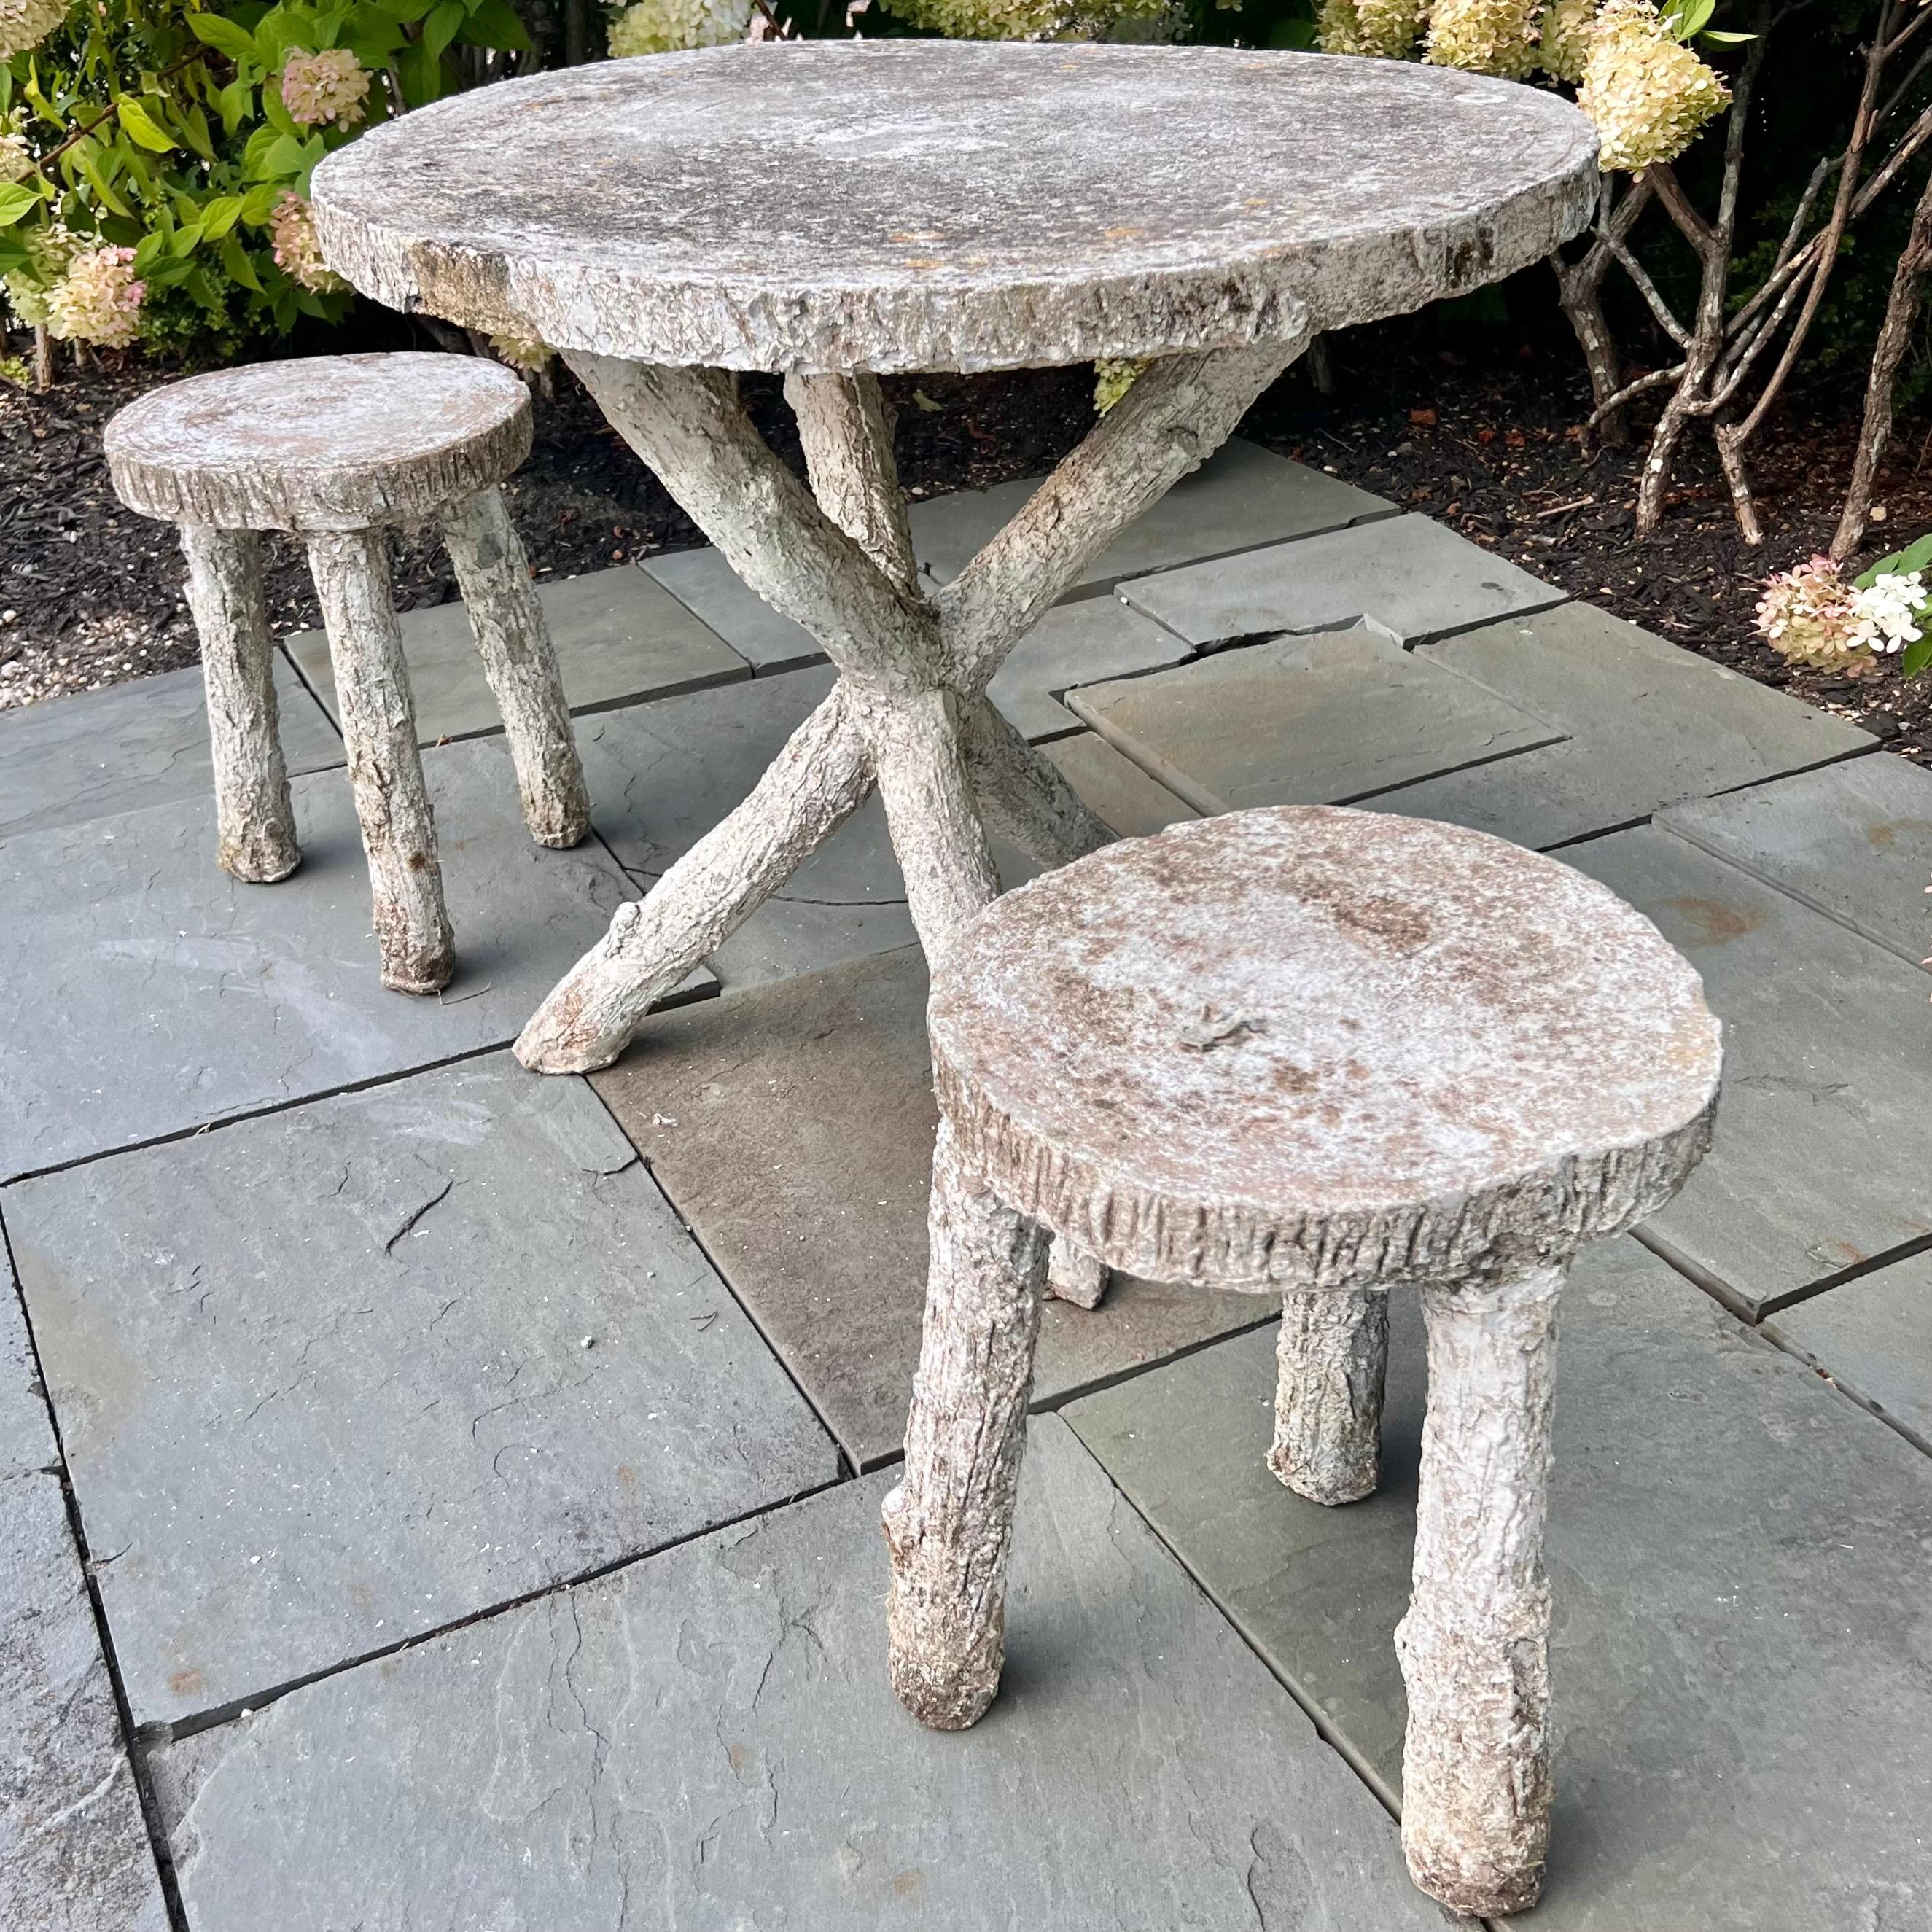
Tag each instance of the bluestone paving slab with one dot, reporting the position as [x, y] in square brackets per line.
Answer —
[165, 994]
[1742, 1589]
[619, 637]
[792, 1127]
[1873, 1337]
[334, 1378]
[1645, 725]
[706, 1740]
[1854, 842]
[1815, 1167]
[1304, 721]
[69, 759]
[1125, 798]
[714, 593]
[1410, 577]
[74, 1852]
[26, 1430]
[1242, 496]
[1077, 643]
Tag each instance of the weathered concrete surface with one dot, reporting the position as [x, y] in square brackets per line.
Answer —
[1645, 725]
[1076, 644]
[1853, 841]
[1411, 578]
[1873, 1337]
[1815, 1166]
[26, 1432]
[1241, 496]
[1304, 721]
[714, 593]
[1105, 202]
[138, 744]
[620, 637]
[335, 1378]
[332, 442]
[1741, 1583]
[705, 1740]
[74, 1854]
[792, 1126]
[165, 994]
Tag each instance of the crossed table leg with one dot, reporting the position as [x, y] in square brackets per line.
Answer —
[909, 713]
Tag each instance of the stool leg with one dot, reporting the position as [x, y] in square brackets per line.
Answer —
[351, 569]
[520, 663]
[1475, 1645]
[1334, 1356]
[254, 817]
[1074, 1274]
[950, 1522]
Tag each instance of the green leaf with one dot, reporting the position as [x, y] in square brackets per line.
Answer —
[287, 156]
[1884, 567]
[239, 269]
[194, 123]
[16, 203]
[141, 127]
[439, 29]
[186, 239]
[492, 24]
[1916, 556]
[219, 215]
[236, 102]
[278, 115]
[1916, 657]
[202, 291]
[213, 30]
[149, 251]
[1724, 40]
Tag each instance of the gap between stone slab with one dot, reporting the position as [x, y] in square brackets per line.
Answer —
[1877, 1411]
[288, 658]
[137, 1766]
[1727, 1297]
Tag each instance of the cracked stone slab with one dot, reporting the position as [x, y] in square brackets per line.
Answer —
[1076, 644]
[793, 1127]
[1816, 1166]
[74, 1851]
[706, 1740]
[1853, 841]
[1242, 496]
[167, 995]
[620, 637]
[1742, 1588]
[26, 1431]
[142, 743]
[1645, 724]
[354, 1372]
[1325, 719]
[1128, 802]
[1873, 1337]
[1409, 576]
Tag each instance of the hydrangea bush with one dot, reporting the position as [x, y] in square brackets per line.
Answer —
[1812, 616]
[154, 155]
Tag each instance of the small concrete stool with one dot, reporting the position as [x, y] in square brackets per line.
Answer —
[1320, 1054]
[337, 449]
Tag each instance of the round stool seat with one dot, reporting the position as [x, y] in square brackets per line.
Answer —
[336, 443]
[1311, 1047]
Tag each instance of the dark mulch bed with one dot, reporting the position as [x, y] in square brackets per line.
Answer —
[1486, 440]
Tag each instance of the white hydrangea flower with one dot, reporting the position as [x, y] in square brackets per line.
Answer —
[1566, 37]
[671, 26]
[1114, 376]
[1024, 20]
[1338, 28]
[1885, 614]
[98, 300]
[17, 158]
[1386, 28]
[1484, 36]
[26, 23]
[1647, 92]
[524, 353]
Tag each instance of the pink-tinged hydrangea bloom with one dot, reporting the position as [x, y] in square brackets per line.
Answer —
[98, 300]
[1809, 615]
[25, 23]
[292, 229]
[331, 85]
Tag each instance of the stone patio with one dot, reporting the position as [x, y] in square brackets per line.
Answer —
[434, 1496]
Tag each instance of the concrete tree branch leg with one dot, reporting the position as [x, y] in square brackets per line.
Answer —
[949, 1524]
[846, 432]
[254, 816]
[351, 569]
[514, 642]
[823, 775]
[1023, 796]
[1074, 1274]
[1474, 1645]
[1334, 1356]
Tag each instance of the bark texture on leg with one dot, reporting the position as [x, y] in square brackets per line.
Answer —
[1333, 1357]
[1474, 1645]
[1023, 796]
[351, 569]
[514, 642]
[1075, 1274]
[254, 813]
[823, 775]
[949, 1524]
[847, 431]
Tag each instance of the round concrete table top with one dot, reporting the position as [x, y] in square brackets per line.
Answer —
[906, 205]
